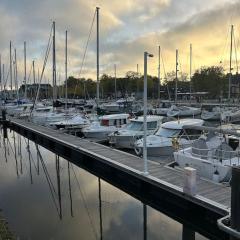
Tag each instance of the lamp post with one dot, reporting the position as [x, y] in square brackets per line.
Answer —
[146, 55]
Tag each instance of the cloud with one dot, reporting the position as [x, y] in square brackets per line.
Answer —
[127, 29]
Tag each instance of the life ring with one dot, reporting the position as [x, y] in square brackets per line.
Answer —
[138, 150]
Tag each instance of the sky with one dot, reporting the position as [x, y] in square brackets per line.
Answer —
[127, 29]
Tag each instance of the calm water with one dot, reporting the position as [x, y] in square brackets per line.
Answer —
[30, 201]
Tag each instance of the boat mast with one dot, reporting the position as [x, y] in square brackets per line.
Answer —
[176, 79]
[115, 80]
[1, 74]
[54, 66]
[25, 72]
[159, 80]
[190, 73]
[34, 79]
[137, 80]
[4, 84]
[10, 59]
[16, 76]
[66, 74]
[97, 10]
[230, 66]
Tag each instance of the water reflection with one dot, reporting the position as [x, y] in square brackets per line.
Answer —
[46, 197]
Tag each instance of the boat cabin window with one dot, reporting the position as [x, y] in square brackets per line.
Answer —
[191, 133]
[135, 126]
[105, 122]
[151, 125]
[167, 132]
[43, 110]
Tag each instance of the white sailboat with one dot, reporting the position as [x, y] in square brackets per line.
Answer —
[183, 111]
[214, 114]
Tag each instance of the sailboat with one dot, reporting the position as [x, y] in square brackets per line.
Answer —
[48, 115]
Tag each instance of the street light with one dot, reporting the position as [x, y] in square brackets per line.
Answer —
[146, 55]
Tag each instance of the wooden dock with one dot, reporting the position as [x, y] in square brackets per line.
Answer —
[162, 188]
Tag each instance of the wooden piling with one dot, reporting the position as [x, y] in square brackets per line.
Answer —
[4, 123]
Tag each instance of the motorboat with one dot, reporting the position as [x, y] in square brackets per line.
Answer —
[47, 116]
[106, 125]
[163, 108]
[171, 135]
[77, 121]
[126, 137]
[231, 115]
[212, 157]
[213, 115]
[111, 107]
[183, 111]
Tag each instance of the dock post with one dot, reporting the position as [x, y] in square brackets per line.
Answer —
[190, 181]
[4, 123]
[235, 200]
[187, 233]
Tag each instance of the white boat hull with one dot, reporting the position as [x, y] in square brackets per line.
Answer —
[123, 141]
[211, 116]
[204, 168]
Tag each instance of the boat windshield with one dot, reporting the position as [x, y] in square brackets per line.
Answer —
[166, 132]
[135, 126]
[138, 126]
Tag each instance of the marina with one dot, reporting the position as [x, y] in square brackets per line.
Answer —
[127, 173]
[119, 120]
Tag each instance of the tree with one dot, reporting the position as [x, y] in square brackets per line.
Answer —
[210, 79]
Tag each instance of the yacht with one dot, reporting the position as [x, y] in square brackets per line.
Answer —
[126, 137]
[212, 157]
[173, 134]
[183, 111]
[106, 125]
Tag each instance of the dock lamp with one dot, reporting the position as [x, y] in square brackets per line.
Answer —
[146, 55]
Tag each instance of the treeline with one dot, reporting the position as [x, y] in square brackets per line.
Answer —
[206, 79]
